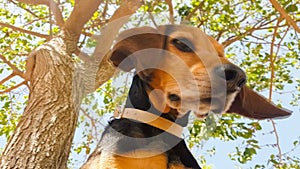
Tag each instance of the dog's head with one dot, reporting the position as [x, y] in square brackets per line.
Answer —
[186, 70]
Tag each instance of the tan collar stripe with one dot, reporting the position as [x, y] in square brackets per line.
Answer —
[149, 118]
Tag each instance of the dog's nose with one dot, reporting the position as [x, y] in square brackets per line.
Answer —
[234, 76]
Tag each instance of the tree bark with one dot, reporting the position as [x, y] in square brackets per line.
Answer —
[45, 131]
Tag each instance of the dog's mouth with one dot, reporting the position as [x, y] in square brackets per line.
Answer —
[201, 107]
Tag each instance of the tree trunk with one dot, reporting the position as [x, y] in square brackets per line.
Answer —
[43, 137]
[46, 129]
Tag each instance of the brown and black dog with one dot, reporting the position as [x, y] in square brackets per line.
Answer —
[179, 70]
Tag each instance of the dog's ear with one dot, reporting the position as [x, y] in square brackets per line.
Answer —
[219, 47]
[248, 103]
[133, 40]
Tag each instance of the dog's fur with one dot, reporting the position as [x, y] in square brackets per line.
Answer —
[178, 71]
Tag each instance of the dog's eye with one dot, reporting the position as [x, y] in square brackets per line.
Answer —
[183, 44]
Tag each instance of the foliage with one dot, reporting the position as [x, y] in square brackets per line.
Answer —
[9, 114]
[96, 109]
[255, 35]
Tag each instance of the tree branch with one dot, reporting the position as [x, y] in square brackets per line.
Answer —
[57, 13]
[171, 11]
[82, 12]
[14, 87]
[105, 10]
[110, 31]
[100, 64]
[52, 5]
[192, 13]
[16, 71]
[127, 8]
[258, 26]
[283, 13]
[83, 56]
[93, 124]
[149, 10]
[27, 10]
[24, 30]
[272, 60]
[273, 57]
[230, 41]
[7, 78]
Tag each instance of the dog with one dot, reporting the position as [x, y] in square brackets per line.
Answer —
[179, 70]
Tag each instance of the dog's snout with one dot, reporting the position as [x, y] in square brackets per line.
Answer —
[234, 76]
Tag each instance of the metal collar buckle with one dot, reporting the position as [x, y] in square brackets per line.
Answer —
[118, 113]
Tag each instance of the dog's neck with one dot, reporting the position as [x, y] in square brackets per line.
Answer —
[139, 99]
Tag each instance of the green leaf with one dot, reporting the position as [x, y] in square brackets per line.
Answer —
[295, 143]
[291, 8]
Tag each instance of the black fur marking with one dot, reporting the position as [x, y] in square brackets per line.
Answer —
[138, 98]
